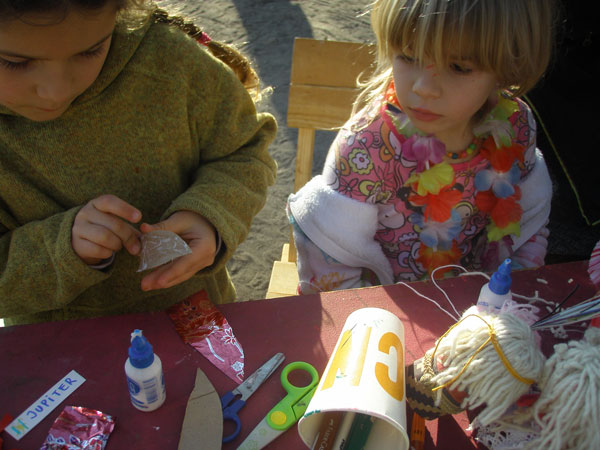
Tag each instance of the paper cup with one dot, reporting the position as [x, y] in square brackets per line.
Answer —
[365, 374]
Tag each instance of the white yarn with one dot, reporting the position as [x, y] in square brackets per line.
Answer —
[429, 299]
[455, 316]
[568, 410]
[486, 380]
[455, 266]
[526, 312]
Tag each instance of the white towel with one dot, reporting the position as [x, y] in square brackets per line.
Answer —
[536, 196]
[340, 226]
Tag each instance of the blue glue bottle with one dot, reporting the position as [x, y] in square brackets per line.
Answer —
[144, 374]
[494, 293]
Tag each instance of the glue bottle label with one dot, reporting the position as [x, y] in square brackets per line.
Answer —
[149, 395]
[134, 388]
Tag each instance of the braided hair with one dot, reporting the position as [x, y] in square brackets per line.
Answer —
[231, 56]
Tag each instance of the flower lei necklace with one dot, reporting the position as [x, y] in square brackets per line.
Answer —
[433, 183]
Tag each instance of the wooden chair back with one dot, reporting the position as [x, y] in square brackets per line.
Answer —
[323, 86]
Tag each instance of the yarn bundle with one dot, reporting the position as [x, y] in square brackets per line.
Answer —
[485, 359]
[568, 409]
[492, 362]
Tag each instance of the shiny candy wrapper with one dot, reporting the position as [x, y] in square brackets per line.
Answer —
[203, 326]
[160, 247]
[79, 428]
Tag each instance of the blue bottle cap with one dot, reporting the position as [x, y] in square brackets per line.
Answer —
[500, 281]
[141, 354]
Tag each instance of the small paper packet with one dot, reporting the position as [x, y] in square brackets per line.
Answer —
[160, 247]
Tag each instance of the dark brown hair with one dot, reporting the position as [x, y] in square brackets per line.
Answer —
[15, 9]
[59, 9]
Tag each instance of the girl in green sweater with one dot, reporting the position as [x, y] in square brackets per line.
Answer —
[114, 124]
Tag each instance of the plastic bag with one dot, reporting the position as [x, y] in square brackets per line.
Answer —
[160, 247]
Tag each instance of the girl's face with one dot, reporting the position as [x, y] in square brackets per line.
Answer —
[43, 68]
[442, 100]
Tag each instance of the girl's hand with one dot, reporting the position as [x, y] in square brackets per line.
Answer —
[101, 228]
[200, 236]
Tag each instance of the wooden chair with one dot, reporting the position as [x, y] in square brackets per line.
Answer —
[323, 87]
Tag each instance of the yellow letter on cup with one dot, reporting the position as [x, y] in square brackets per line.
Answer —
[341, 360]
[394, 388]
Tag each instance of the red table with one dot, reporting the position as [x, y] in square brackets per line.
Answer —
[34, 357]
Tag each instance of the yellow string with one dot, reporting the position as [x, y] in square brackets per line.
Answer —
[493, 338]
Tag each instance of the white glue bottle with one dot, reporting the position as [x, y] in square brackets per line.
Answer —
[144, 374]
[494, 293]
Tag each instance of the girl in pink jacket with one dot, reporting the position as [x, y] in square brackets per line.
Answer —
[439, 166]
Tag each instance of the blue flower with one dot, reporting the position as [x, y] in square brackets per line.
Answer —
[501, 183]
[438, 235]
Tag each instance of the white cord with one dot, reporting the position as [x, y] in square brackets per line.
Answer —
[441, 290]
[428, 299]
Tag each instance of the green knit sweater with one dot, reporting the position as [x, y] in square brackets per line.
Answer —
[165, 127]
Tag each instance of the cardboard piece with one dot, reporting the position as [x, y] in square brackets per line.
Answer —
[203, 422]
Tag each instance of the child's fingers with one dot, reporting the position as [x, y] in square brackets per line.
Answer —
[180, 222]
[89, 251]
[112, 204]
[165, 225]
[131, 240]
[101, 236]
[176, 281]
[103, 228]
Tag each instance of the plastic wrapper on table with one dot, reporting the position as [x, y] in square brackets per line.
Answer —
[79, 428]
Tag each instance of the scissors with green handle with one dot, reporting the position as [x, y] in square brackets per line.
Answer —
[285, 413]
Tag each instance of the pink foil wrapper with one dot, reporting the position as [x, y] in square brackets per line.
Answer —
[594, 266]
[78, 428]
[203, 326]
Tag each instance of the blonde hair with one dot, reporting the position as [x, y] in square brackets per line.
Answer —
[511, 38]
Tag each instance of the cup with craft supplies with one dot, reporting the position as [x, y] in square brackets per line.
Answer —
[360, 400]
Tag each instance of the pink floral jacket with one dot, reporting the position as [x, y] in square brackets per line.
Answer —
[336, 238]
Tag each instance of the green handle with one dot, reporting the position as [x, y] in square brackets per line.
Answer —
[289, 410]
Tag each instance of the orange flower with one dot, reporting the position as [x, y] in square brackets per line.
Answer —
[431, 259]
[502, 211]
[485, 201]
[507, 211]
[503, 158]
[437, 207]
